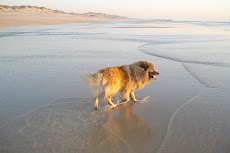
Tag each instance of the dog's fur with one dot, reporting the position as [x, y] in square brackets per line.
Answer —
[126, 79]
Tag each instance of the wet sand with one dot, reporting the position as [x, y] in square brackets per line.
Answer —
[188, 108]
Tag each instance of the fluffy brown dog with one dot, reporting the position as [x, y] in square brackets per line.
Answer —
[126, 79]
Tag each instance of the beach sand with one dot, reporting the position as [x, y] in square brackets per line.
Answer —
[45, 107]
[14, 19]
[13, 16]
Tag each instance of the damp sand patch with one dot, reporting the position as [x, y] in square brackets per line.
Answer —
[71, 125]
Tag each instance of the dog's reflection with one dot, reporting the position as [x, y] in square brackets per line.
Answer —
[121, 130]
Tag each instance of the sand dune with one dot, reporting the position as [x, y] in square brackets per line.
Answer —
[12, 16]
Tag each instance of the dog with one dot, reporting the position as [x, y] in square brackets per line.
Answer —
[126, 79]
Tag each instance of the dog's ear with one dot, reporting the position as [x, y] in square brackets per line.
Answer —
[145, 66]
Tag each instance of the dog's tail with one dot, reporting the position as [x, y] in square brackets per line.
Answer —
[96, 82]
[92, 80]
[88, 79]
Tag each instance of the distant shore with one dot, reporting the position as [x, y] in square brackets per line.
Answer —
[13, 16]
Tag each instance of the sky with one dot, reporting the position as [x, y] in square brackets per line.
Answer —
[188, 10]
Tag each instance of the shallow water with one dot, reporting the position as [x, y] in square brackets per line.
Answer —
[44, 107]
[201, 125]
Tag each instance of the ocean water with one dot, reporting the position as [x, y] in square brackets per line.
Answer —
[44, 106]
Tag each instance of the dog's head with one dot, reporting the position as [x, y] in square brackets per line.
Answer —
[149, 68]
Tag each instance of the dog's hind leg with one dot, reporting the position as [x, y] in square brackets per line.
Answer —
[110, 92]
[111, 103]
[96, 103]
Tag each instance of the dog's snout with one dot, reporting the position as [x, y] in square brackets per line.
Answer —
[156, 73]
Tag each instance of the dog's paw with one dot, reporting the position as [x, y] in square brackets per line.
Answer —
[137, 101]
[107, 107]
[123, 102]
[113, 106]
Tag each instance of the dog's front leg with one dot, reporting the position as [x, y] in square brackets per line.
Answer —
[125, 96]
[133, 97]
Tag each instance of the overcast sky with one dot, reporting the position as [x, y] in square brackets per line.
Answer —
[202, 10]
